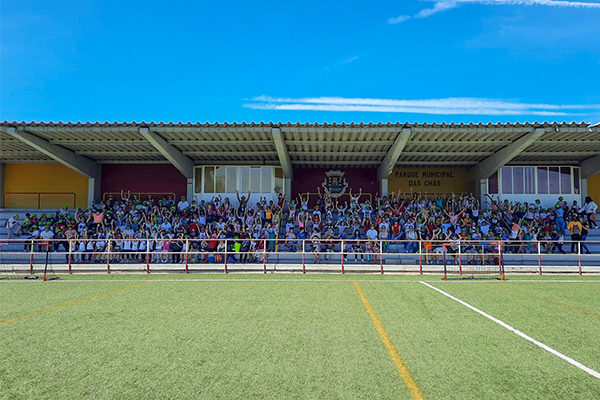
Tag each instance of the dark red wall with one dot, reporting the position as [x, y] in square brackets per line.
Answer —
[308, 179]
[155, 178]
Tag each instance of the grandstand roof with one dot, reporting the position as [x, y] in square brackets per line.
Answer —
[308, 145]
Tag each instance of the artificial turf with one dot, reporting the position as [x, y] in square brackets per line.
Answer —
[295, 336]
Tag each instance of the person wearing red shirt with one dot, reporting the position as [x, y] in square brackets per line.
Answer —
[396, 230]
[193, 228]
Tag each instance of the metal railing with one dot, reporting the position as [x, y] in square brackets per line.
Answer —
[39, 196]
[333, 255]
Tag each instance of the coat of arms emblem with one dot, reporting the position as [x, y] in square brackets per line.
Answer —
[335, 183]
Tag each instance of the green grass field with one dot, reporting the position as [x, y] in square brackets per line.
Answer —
[296, 336]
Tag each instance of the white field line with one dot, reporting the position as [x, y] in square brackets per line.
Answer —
[549, 349]
[472, 282]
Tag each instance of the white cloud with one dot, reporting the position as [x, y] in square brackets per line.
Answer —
[349, 60]
[447, 106]
[443, 5]
[399, 19]
[551, 3]
[438, 7]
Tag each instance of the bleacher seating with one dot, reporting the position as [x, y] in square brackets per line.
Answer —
[395, 259]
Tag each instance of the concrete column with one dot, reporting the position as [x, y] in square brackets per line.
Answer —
[584, 190]
[481, 191]
[184, 164]
[94, 192]
[190, 190]
[590, 167]
[83, 165]
[2, 175]
[287, 184]
[383, 187]
[391, 158]
[282, 152]
[502, 157]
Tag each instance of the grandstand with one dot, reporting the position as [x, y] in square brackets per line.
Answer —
[45, 166]
[424, 212]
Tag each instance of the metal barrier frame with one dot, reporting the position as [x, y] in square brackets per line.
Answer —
[375, 257]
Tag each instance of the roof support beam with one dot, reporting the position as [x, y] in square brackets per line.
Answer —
[590, 167]
[83, 165]
[282, 152]
[502, 157]
[390, 159]
[184, 164]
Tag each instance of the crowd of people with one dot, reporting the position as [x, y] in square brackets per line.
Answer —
[130, 228]
[438, 225]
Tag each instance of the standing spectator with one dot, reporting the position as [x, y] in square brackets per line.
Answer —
[584, 234]
[575, 228]
[560, 220]
[13, 225]
[98, 217]
[590, 208]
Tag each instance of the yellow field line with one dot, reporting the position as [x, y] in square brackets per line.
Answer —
[414, 390]
[548, 301]
[73, 302]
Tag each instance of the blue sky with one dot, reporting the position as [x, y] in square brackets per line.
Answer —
[310, 61]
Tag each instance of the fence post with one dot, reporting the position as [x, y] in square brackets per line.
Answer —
[225, 265]
[187, 246]
[420, 258]
[501, 261]
[539, 258]
[460, 258]
[342, 253]
[70, 254]
[265, 257]
[31, 259]
[108, 256]
[148, 257]
[303, 255]
[579, 255]
[381, 256]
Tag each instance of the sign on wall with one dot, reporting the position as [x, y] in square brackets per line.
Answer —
[335, 183]
[430, 180]
[338, 182]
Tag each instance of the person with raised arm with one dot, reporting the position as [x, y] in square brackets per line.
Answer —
[304, 201]
[125, 197]
[354, 199]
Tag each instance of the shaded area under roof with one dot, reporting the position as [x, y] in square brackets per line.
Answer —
[309, 145]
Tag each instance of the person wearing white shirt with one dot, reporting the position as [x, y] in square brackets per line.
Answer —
[13, 225]
[372, 233]
[166, 225]
[485, 228]
[183, 204]
[47, 234]
[590, 208]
